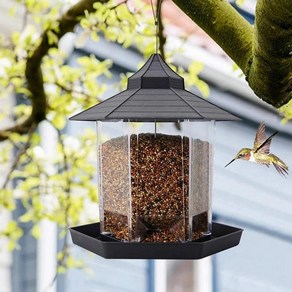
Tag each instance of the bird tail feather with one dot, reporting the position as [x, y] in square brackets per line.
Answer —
[281, 167]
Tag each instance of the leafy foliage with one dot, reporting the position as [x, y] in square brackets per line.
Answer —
[286, 112]
[240, 2]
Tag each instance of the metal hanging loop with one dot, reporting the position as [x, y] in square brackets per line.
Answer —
[156, 17]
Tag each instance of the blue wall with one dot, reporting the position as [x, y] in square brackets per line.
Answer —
[109, 275]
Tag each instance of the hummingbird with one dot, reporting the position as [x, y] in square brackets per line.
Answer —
[260, 153]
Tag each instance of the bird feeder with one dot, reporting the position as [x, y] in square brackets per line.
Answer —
[155, 186]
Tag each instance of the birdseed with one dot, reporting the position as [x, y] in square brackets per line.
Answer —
[153, 204]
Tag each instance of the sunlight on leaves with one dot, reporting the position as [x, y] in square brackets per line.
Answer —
[286, 112]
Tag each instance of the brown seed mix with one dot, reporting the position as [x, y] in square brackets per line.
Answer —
[157, 207]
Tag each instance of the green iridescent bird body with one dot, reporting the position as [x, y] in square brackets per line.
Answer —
[260, 153]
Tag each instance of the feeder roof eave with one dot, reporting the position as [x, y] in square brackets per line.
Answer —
[155, 93]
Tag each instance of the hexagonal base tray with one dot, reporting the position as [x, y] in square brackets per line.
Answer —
[89, 237]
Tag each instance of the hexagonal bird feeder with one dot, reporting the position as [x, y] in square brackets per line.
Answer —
[155, 188]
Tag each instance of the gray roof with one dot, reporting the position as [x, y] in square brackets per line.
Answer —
[155, 93]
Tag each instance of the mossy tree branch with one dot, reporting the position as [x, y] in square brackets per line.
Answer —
[270, 73]
[224, 25]
[262, 53]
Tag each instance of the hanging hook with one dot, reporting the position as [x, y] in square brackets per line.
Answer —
[156, 17]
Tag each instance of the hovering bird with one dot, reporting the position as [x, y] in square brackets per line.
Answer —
[260, 153]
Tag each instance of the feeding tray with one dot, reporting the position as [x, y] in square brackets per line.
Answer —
[88, 236]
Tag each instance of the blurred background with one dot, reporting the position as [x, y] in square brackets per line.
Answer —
[246, 195]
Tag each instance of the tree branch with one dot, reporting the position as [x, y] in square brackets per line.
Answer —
[20, 152]
[225, 26]
[33, 70]
[270, 74]
[264, 55]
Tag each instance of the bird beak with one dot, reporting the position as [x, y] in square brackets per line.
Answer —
[229, 162]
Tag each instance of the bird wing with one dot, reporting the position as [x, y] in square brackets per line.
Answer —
[264, 148]
[260, 136]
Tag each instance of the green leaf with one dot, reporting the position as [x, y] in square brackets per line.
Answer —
[13, 232]
[36, 231]
[6, 199]
[121, 38]
[94, 36]
[70, 262]
[195, 68]
[59, 121]
[111, 34]
[26, 217]
[97, 6]
[52, 37]
[61, 270]
[127, 43]
[15, 37]
[203, 87]
[24, 91]
[11, 245]
[12, 11]
[123, 12]
[240, 2]
[85, 23]
[235, 67]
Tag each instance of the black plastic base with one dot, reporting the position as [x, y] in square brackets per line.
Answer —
[89, 237]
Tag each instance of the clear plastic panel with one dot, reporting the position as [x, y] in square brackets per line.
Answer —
[201, 177]
[114, 179]
[155, 181]
[159, 174]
